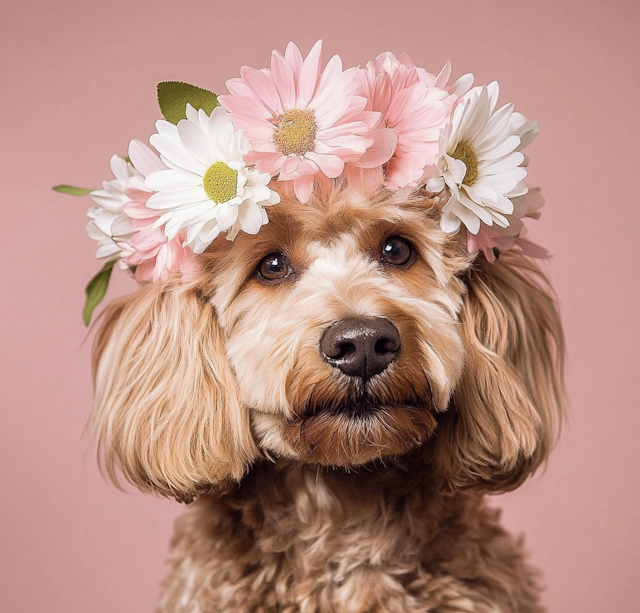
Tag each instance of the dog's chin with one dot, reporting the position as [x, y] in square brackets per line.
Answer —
[359, 432]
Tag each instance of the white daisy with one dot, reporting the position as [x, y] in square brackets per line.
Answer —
[110, 226]
[480, 161]
[208, 188]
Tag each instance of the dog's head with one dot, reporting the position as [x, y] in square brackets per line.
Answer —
[350, 329]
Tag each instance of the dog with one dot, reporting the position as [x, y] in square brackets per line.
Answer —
[333, 397]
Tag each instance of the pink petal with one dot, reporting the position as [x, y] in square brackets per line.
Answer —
[143, 158]
[303, 188]
[294, 58]
[238, 87]
[145, 270]
[137, 195]
[532, 249]
[354, 128]
[291, 164]
[382, 93]
[331, 165]
[148, 240]
[443, 76]
[284, 80]
[263, 87]
[385, 141]
[534, 200]
[244, 106]
[309, 76]
[271, 163]
[257, 130]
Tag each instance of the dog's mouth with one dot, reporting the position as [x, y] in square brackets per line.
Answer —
[355, 431]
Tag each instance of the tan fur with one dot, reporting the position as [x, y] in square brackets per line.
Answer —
[508, 403]
[166, 408]
[216, 385]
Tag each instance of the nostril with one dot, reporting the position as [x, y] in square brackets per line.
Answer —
[341, 350]
[387, 345]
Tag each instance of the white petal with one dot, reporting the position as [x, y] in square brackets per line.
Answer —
[172, 179]
[119, 168]
[457, 169]
[462, 85]
[196, 143]
[504, 164]
[448, 221]
[478, 210]
[435, 185]
[250, 217]
[519, 190]
[504, 205]
[471, 221]
[226, 216]
[503, 183]
[506, 146]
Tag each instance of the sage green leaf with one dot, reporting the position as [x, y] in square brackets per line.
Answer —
[96, 289]
[173, 97]
[71, 190]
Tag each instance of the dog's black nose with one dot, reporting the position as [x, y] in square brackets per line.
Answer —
[360, 346]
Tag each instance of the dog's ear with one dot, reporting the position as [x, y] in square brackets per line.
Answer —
[166, 410]
[507, 409]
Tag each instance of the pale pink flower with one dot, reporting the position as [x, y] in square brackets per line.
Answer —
[155, 256]
[109, 225]
[493, 237]
[416, 106]
[299, 119]
[149, 250]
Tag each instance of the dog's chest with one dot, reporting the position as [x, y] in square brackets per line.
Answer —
[297, 541]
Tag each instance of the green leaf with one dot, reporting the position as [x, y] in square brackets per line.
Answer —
[173, 97]
[96, 289]
[71, 190]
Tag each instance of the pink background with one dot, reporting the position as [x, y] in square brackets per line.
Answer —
[78, 81]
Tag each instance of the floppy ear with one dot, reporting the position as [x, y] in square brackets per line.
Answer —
[506, 411]
[166, 410]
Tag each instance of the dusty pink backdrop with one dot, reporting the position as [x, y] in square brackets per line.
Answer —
[78, 81]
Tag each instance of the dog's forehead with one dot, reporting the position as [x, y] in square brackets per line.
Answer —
[329, 217]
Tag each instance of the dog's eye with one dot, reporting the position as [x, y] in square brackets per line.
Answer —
[274, 267]
[397, 251]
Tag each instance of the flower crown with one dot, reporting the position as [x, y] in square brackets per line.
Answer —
[298, 123]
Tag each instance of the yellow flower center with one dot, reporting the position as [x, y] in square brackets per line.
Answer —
[295, 132]
[466, 153]
[220, 182]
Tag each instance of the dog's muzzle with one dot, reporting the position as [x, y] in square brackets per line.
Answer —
[360, 346]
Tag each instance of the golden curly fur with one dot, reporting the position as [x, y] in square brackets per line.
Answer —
[213, 388]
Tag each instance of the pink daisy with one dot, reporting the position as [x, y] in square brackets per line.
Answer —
[301, 120]
[149, 250]
[415, 105]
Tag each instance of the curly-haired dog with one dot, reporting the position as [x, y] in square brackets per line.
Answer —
[338, 392]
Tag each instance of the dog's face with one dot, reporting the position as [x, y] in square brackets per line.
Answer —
[349, 329]
[341, 325]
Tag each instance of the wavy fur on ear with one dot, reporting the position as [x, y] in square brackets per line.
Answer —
[166, 411]
[507, 410]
